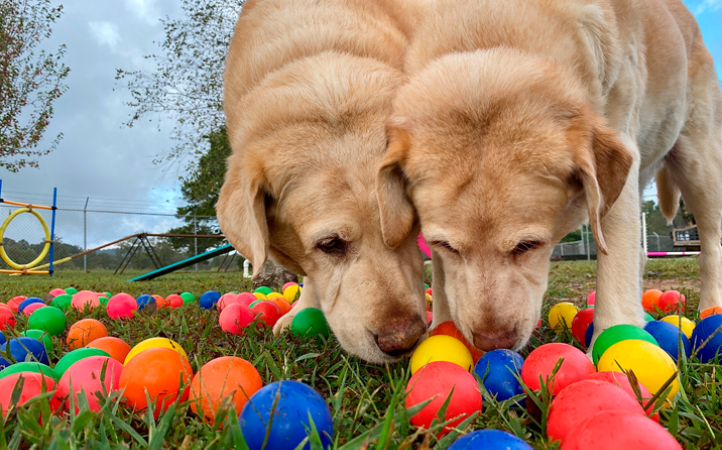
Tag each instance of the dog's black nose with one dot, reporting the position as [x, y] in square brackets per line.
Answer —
[492, 340]
[400, 335]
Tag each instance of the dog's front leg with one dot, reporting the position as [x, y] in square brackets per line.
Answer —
[308, 299]
[440, 305]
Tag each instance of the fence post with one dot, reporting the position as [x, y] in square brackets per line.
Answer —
[85, 235]
[644, 233]
[586, 236]
[195, 231]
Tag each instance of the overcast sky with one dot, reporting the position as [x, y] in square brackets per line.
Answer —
[99, 157]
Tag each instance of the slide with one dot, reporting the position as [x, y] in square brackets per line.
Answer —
[185, 263]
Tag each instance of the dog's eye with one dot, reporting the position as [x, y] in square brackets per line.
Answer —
[525, 246]
[333, 246]
[445, 245]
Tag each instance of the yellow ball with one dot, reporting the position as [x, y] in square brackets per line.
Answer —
[260, 296]
[560, 314]
[441, 348]
[155, 343]
[292, 293]
[428, 298]
[652, 365]
[687, 325]
[273, 295]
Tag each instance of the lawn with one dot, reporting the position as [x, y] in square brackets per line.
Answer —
[359, 394]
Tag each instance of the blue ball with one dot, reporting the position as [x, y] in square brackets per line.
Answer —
[496, 369]
[4, 363]
[144, 300]
[704, 329]
[588, 335]
[667, 336]
[489, 439]
[209, 299]
[291, 424]
[3, 339]
[29, 301]
[26, 349]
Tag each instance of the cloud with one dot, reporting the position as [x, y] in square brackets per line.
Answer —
[707, 5]
[105, 33]
[145, 10]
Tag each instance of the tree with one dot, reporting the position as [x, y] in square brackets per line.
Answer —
[31, 80]
[656, 222]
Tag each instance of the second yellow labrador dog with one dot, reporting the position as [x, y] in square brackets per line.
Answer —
[524, 118]
[308, 88]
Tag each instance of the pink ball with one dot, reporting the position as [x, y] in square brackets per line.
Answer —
[622, 381]
[235, 317]
[85, 375]
[122, 306]
[34, 384]
[83, 298]
[290, 283]
[540, 364]
[429, 317]
[620, 430]
[592, 298]
[226, 300]
[669, 302]
[246, 298]
[31, 308]
[57, 291]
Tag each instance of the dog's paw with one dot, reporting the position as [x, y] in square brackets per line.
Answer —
[283, 323]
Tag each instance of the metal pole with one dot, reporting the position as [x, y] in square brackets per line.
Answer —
[644, 232]
[195, 231]
[586, 236]
[85, 235]
[52, 231]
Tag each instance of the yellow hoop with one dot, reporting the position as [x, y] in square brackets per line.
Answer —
[37, 260]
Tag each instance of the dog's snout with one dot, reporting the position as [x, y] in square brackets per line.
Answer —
[400, 335]
[492, 340]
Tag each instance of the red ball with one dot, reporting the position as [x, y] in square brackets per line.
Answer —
[592, 298]
[227, 300]
[268, 312]
[581, 323]
[246, 298]
[429, 317]
[14, 302]
[121, 306]
[7, 318]
[670, 300]
[622, 381]
[448, 328]
[85, 375]
[540, 364]
[32, 387]
[581, 400]
[620, 430]
[174, 301]
[436, 379]
[235, 317]
[429, 291]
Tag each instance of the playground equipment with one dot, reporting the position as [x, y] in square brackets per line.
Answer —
[24, 269]
[185, 263]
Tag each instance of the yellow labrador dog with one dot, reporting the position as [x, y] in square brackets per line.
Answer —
[521, 120]
[308, 88]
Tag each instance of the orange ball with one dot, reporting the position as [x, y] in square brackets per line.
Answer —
[162, 373]
[448, 328]
[221, 379]
[85, 331]
[710, 312]
[174, 301]
[282, 304]
[650, 299]
[118, 349]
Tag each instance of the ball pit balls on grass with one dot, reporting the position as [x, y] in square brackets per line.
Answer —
[7, 319]
[103, 299]
[188, 297]
[621, 380]
[84, 331]
[33, 384]
[162, 374]
[620, 430]
[30, 309]
[62, 302]
[707, 338]
[291, 293]
[173, 301]
[71, 290]
[40, 335]
[209, 299]
[157, 342]
[650, 299]
[260, 296]
[265, 290]
[235, 318]
[29, 367]
[227, 378]
[619, 333]
[145, 301]
[580, 323]
[669, 338]
[561, 316]
[441, 348]
[448, 328]
[710, 312]
[14, 303]
[113, 346]
[122, 306]
[540, 363]
[282, 304]
[672, 301]
[77, 355]
[436, 381]
[296, 405]
[50, 319]
[26, 349]
[56, 292]
[85, 376]
[273, 295]
[489, 439]
[85, 299]
[592, 298]
[267, 313]
[683, 323]
[230, 299]
[29, 301]
[497, 370]
[651, 365]
[310, 322]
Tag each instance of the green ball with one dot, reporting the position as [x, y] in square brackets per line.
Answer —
[62, 301]
[29, 367]
[108, 294]
[619, 333]
[310, 322]
[257, 301]
[648, 317]
[103, 300]
[75, 356]
[426, 286]
[50, 319]
[265, 290]
[589, 306]
[42, 336]
[71, 291]
[188, 297]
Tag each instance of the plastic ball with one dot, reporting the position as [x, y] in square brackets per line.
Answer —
[29, 367]
[26, 349]
[541, 361]
[209, 299]
[710, 312]
[429, 317]
[260, 296]
[156, 342]
[62, 302]
[85, 376]
[273, 295]
[77, 355]
[588, 335]
[581, 400]
[651, 365]
[56, 292]
[672, 301]
[246, 298]
[265, 290]
[85, 331]
[707, 329]
[448, 328]
[7, 319]
[29, 301]
[71, 290]
[580, 323]
[561, 316]
[267, 313]
[592, 298]
[437, 379]
[40, 335]
[30, 309]
[122, 306]
[223, 378]
[648, 317]
[295, 404]
[188, 297]
[84, 299]
[310, 322]
[441, 348]
[144, 301]
[14, 303]
[650, 299]
[429, 291]
[619, 333]
[174, 301]
[34, 384]
[235, 318]
[159, 301]
[292, 293]
[50, 319]
[103, 300]
[489, 439]
[620, 430]
[290, 283]
[116, 348]
[228, 300]
[282, 304]
[621, 380]
[160, 373]
[497, 370]
[686, 325]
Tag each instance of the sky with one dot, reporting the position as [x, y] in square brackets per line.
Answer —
[113, 165]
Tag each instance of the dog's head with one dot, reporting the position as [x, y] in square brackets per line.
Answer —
[500, 158]
[300, 187]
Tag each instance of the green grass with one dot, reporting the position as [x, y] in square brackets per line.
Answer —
[366, 400]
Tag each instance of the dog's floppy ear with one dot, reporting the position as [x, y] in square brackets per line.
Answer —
[603, 166]
[397, 212]
[241, 212]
